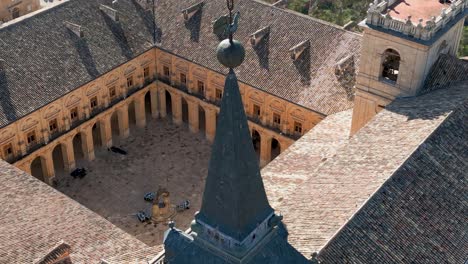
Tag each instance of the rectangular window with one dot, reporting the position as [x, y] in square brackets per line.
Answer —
[129, 82]
[166, 71]
[74, 114]
[53, 126]
[276, 119]
[201, 87]
[112, 92]
[183, 78]
[256, 110]
[94, 102]
[146, 73]
[31, 137]
[8, 150]
[298, 127]
[219, 94]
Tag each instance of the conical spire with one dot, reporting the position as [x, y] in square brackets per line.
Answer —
[234, 200]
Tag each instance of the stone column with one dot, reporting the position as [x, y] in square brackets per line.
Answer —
[124, 130]
[87, 143]
[154, 102]
[162, 103]
[176, 108]
[193, 116]
[265, 149]
[106, 131]
[140, 114]
[210, 127]
[48, 167]
[70, 163]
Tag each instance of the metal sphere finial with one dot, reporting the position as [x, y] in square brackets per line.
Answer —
[230, 53]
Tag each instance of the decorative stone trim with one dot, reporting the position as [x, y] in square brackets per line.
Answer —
[376, 16]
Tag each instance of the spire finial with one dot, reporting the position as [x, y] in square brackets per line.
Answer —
[230, 52]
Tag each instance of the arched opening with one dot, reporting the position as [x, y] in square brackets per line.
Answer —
[148, 105]
[97, 139]
[38, 168]
[275, 148]
[201, 118]
[256, 139]
[184, 110]
[78, 146]
[59, 160]
[115, 125]
[15, 13]
[168, 103]
[391, 65]
[131, 113]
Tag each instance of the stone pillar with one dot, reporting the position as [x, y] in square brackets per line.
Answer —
[176, 108]
[193, 116]
[87, 143]
[162, 103]
[154, 103]
[48, 167]
[210, 126]
[70, 163]
[106, 131]
[265, 149]
[140, 114]
[124, 130]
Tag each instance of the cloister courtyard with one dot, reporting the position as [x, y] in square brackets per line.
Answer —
[161, 154]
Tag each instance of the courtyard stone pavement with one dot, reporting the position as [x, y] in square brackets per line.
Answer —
[161, 154]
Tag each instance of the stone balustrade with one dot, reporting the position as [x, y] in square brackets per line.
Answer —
[376, 16]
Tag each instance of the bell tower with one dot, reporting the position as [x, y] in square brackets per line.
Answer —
[401, 42]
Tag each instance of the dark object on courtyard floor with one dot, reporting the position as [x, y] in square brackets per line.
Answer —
[78, 172]
[143, 216]
[118, 150]
[183, 206]
[149, 196]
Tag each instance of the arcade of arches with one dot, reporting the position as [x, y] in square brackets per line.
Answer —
[53, 138]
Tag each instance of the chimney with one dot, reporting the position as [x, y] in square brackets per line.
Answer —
[189, 12]
[297, 50]
[256, 37]
[110, 12]
[74, 28]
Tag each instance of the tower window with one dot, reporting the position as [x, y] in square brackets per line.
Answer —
[391, 65]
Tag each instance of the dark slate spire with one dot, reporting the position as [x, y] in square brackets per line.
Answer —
[234, 199]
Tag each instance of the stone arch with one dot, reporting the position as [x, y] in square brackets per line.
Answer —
[78, 149]
[38, 168]
[132, 113]
[256, 141]
[50, 111]
[59, 159]
[390, 65]
[275, 148]
[148, 104]
[115, 128]
[201, 118]
[92, 90]
[96, 132]
[185, 113]
[168, 103]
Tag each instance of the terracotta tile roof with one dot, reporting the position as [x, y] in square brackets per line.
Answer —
[287, 171]
[35, 217]
[139, 256]
[332, 194]
[419, 215]
[43, 63]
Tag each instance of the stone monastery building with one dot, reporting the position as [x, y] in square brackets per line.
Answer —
[368, 132]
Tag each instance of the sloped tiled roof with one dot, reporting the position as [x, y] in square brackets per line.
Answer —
[334, 191]
[34, 217]
[419, 215]
[447, 70]
[286, 172]
[44, 60]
